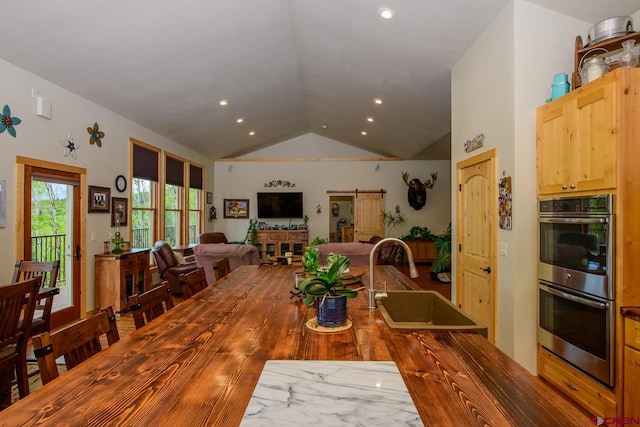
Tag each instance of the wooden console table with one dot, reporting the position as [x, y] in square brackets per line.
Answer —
[423, 250]
[275, 243]
[118, 276]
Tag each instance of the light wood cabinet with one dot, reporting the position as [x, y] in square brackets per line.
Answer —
[118, 276]
[275, 243]
[577, 139]
[587, 144]
[590, 394]
[632, 369]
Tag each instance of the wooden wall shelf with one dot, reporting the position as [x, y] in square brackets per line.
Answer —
[610, 45]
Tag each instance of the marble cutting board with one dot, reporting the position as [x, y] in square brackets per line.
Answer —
[330, 393]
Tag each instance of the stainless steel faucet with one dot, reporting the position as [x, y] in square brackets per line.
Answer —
[413, 271]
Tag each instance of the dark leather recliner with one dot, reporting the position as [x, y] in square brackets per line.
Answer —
[213, 237]
[168, 267]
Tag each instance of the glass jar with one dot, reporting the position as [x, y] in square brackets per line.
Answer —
[629, 57]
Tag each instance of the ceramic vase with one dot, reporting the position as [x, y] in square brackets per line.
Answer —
[629, 58]
[331, 311]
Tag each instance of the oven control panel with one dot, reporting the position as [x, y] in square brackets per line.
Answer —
[577, 205]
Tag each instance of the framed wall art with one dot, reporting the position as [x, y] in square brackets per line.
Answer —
[99, 199]
[119, 209]
[236, 208]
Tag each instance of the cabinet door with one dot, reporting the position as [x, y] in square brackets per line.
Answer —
[553, 148]
[595, 136]
[631, 382]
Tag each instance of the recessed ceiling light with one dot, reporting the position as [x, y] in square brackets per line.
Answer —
[363, 133]
[252, 133]
[323, 126]
[377, 101]
[240, 120]
[386, 13]
[370, 119]
[224, 102]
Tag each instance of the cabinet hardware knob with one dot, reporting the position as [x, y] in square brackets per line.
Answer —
[564, 187]
[573, 186]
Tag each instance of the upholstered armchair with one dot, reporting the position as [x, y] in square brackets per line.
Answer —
[168, 267]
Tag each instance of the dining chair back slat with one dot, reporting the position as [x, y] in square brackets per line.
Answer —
[76, 343]
[48, 271]
[221, 268]
[151, 304]
[192, 282]
[17, 304]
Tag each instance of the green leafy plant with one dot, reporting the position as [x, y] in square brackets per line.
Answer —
[419, 233]
[442, 243]
[318, 241]
[328, 282]
[311, 259]
[393, 219]
[252, 231]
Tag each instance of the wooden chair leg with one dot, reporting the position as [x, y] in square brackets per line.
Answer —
[6, 378]
[22, 376]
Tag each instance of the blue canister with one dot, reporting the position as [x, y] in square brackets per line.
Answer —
[560, 85]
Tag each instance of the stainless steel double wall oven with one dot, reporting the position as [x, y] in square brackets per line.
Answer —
[576, 282]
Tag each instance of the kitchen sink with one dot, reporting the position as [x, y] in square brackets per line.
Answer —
[426, 310]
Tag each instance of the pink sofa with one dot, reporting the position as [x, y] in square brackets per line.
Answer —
[238, 254]
[358, 252]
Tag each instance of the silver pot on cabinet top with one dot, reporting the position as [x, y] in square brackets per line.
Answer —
[592, 68]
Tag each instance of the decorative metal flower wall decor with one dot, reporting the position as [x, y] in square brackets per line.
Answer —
[277, 182]
[69, 146]
[7, 122]
[96, 135]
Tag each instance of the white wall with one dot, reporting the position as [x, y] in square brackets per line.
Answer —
[242, 180]
[496, 88]
[38, 138]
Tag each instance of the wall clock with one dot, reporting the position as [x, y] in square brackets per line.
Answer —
[121, 183]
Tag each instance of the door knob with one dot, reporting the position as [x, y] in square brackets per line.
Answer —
[486, 270]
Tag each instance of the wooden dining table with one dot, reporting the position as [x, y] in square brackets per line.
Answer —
[199, 363]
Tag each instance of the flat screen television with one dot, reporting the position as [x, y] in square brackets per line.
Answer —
[280, 205]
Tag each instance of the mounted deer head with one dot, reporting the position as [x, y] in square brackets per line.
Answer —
[417, 193]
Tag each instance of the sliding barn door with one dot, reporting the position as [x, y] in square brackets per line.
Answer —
[368, 208]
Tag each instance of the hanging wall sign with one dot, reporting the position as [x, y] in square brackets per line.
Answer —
[474, 144]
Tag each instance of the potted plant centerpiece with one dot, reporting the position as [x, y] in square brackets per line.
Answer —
[327, 290]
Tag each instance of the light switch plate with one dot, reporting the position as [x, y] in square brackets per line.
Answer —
[502, 249]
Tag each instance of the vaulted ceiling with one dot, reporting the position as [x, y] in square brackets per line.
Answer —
[286, 67]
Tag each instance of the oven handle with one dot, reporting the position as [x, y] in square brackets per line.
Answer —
[584, 301]
[557, 220]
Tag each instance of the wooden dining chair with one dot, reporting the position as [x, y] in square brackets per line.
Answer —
[17, 304]
[193, 282]
[76, 343]
[221, 268]
[24, 270]
[151, 304]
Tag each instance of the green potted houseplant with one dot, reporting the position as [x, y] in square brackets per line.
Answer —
[327, 290]
[442, 261]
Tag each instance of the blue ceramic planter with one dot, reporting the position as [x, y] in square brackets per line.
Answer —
[332, 312]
